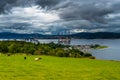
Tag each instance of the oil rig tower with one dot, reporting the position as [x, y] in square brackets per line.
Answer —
[64, 37]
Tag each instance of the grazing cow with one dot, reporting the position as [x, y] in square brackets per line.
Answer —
[8, 54]
[37, 59]
[25, 58]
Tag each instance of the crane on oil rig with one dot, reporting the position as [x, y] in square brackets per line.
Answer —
[64, 37]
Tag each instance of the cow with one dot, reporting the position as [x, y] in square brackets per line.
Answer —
[37, 59]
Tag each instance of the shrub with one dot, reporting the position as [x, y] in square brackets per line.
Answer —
[8, 54]
[37, 52]
[78, 56]
[81, 53]
[31, 50]
[92, 57]
[14, 48]
[66, 54]
[87, 54]
[3, 48]
[59, 54]
[52, 52]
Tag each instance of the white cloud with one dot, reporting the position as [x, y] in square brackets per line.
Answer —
[36, 17]
[78, 30]
[113, 16]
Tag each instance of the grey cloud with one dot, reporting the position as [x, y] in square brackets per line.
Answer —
[91, 15]
[48, 3]
[78, 9]
[88, 11]
[6, 5]
[18, 26]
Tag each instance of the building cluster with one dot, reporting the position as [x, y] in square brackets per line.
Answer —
[82, 47]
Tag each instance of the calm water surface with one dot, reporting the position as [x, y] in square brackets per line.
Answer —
[111, 53]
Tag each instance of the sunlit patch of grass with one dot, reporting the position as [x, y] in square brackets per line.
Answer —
[55, 68]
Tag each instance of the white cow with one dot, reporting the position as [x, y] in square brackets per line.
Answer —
[37, 59]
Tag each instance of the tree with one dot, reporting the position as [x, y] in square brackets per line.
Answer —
[60, 52]
[31, 50]
[3, 48]
[14, 48]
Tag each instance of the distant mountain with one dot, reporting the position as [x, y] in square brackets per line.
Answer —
[97, 35]
[7, 35]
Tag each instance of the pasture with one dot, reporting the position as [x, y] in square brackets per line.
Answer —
[15, 67]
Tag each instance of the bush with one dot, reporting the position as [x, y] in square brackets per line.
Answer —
[37, 52]
[8, 54]
[92, 57]
[14, 48]
[52, 52]
[87, 54]
[81, 53]
[31, 50]
[59, 54]
[78, 56]
[66, 54]
[3, 48]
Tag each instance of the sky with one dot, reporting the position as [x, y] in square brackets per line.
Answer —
[54, 16]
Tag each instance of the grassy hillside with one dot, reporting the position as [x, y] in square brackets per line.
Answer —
[54, 68]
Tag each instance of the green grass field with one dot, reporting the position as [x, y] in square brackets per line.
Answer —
[55, 68]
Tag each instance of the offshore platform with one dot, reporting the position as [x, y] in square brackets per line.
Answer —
[64, 37]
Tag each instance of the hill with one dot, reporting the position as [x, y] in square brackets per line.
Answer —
[7, 35]
[97, 35]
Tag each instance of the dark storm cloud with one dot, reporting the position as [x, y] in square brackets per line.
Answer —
[90, 13]
[70, 9]
[6, 5]
[93, 15]
[48, 3]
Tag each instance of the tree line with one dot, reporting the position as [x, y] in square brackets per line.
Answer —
[21, 47]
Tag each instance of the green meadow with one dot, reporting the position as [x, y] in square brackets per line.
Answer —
[55, 68]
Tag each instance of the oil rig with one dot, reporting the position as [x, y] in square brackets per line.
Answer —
[33, 39]
[64, 37]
